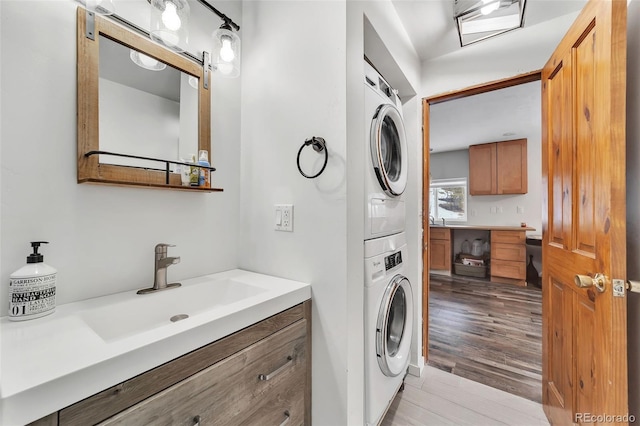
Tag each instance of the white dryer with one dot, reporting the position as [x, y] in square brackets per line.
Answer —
[388, 322]
[386, 157]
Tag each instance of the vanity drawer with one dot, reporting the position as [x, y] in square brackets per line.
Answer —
[258, 383]
[440, 234]
[508, 269]
[502, 251]
[508, 237]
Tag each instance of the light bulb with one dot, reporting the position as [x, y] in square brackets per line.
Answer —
[170, 17]
[490, 7]
[226, 51]
[148, 61]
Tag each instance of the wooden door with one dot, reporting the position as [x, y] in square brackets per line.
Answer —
[583, 161]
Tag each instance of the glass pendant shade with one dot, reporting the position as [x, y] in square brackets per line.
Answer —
[225, 56]
[169, 23]
[146, 62]
[100, 7]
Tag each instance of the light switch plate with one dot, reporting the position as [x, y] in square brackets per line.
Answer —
[284, 217]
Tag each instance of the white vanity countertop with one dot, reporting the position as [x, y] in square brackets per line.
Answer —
[54, 361]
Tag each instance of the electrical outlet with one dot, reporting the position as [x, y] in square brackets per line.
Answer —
[494, 209]
[500, 209]
[284, 217]
[520, 209]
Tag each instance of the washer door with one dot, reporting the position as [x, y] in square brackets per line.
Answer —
[389, 149]
[394, 326]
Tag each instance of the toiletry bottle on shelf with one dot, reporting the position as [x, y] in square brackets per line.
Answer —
[194, 178]
[204, 173]
[32, 288]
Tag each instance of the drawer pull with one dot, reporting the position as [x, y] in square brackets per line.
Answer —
[196, 421]
[287, 417]
[278, 371]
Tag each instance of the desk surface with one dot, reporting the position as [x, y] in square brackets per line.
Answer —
[486, 227]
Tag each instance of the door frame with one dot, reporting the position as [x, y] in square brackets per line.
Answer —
[426, 104]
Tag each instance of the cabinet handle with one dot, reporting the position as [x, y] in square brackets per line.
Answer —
[196, 421]
[287, 417]
[278, 371]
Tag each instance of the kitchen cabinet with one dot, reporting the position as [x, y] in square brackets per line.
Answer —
[508, 257]
[498, 168]
[258, 375]
[440, 249]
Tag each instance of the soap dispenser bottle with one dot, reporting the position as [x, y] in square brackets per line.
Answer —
[203, 160]
[32, 288]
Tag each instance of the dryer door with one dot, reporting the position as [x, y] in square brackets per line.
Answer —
[394, 326]
[389, 149]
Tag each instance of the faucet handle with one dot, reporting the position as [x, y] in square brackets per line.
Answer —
[161, 248]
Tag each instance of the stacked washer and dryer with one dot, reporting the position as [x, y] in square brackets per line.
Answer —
[388, 296]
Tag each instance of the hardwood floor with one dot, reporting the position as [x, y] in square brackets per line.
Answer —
[487, 332]
[439, 398]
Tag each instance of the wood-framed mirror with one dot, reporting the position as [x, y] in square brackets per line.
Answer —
[148, 121]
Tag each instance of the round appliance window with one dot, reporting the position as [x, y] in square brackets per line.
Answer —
[394, 327]
[389, 150]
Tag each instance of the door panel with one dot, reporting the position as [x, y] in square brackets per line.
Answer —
[583, 156]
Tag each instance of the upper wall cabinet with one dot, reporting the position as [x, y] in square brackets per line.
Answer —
[138, 103]
[498, 168]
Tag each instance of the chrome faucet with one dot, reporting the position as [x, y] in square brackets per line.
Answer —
[432, 219]
[162, 262]
[443, 224]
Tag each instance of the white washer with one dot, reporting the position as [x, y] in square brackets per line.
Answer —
[386, 157]
[388, 322]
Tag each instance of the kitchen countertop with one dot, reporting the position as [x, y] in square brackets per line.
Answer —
[51, 362]
[486, 227]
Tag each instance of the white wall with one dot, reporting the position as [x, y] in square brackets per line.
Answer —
[633, 200]
[136, 122]
[295, 88]
[102, 237]
[494, 59]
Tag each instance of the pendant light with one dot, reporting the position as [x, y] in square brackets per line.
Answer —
[146, 62]
[225, 56]
[169, 23]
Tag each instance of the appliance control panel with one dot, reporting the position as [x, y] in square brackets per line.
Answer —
[392, 260]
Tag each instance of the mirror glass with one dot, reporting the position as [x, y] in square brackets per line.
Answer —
[148, 110]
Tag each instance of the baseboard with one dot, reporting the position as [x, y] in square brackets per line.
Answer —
[416, 369]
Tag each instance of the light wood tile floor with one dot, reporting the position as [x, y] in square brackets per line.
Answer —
[440, 398]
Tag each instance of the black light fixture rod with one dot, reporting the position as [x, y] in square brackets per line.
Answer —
[222, 16]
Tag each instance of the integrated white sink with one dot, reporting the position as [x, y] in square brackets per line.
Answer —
[85, 347]
[143, 312]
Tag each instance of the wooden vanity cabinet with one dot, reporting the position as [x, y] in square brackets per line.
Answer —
[440, 249]
[256, 376]
[498, 168]
[508, 257]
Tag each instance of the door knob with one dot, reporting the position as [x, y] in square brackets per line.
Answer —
[584, 281]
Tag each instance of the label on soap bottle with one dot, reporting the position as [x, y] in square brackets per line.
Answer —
[31, 297]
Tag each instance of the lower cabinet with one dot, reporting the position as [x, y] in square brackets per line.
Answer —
[508, 257]
[440, 249]
[258, 376]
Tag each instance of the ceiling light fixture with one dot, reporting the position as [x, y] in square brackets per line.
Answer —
[169, 23]
[225, 57]
[478, 20]
[146, 62]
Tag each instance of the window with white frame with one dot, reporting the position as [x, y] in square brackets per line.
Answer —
[448, 199]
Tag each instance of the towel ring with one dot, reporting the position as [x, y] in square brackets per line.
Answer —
[319, 145]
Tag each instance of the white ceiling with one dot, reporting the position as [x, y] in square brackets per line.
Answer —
[431, 27]
[505, 114]
[500, 115]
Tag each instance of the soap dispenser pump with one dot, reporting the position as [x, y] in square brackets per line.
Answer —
[32, 288]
